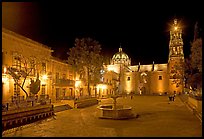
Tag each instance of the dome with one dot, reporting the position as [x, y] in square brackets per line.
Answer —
[120, 58]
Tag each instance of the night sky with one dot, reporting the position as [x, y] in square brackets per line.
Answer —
[142, 28]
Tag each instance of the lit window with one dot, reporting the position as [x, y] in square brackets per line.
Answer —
[43, 89]
[16, 90]
[160, 77]
[16, 61]
[43, 68]
[63, 76]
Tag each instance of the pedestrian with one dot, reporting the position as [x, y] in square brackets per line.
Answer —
[131, 96]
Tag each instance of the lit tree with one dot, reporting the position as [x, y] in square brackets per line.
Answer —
[24, 70]
[85, 58]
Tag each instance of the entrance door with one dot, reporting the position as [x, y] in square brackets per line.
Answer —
[143, 90]
[57, 94]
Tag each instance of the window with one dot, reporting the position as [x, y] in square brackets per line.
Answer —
[16, 90]
[63, 76]
[43, 89]
[160, 77]
[57, 94]
[16, 61]
[128, 78]
[63, 92]
[33, 67]
[43, 68]
[57, 77]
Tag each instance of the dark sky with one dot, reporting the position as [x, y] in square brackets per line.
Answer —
[142, 28]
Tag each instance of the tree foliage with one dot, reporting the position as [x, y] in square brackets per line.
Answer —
[196, 54]
[85, 58]
[193, 64]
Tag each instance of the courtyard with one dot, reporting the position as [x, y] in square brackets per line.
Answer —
[157, 117]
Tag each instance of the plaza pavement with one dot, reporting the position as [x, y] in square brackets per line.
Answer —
[157, 118]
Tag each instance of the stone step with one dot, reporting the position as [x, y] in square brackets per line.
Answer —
[62, 108]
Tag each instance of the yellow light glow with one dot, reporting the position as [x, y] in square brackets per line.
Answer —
[110, 68]
[77, 83]
[4, 78]
[5, 70]
[44, 77]
[101, 86]
[175, 28]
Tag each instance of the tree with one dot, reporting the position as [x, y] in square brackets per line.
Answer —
[196, 49]
[22, 70]
[196, 54]
[86, 60]
[193, 64]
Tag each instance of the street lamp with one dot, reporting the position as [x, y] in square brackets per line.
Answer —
[77, 86]
[44, 77]
[4, 76]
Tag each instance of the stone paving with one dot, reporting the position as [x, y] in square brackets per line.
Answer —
[157, 118]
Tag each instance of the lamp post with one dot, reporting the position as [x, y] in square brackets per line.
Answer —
[77, 86]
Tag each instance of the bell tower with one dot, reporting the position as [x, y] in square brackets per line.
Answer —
[176, 59]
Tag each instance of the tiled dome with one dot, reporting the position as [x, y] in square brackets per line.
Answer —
[120, 58]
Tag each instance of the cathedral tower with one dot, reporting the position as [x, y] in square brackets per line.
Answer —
[176, 59]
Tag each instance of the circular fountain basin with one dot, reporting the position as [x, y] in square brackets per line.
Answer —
[120, 112]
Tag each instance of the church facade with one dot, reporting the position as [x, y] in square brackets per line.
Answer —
[165, 78]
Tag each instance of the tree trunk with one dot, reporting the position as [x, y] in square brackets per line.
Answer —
[88, 82]
[23, 90]
[74, 82]
[95, 89]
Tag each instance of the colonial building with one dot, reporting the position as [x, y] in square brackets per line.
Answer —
[153, 78]
[63, 81]
[34, 59]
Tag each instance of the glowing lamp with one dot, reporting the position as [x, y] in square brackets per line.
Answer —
[5, 70]
[77, 83]
[44, 77]
[4, 78]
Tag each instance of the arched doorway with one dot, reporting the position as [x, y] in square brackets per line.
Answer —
[143, 90]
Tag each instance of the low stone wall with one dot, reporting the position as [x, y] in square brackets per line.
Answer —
[86, 102]
[23, 116]
[197, 104]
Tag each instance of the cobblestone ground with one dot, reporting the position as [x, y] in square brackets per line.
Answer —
[157, 118]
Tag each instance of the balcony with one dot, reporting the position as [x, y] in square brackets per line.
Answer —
[64, 82]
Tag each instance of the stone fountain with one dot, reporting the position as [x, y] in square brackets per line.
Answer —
[114, 111]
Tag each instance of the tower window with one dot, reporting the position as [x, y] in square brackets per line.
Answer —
[128, 78]
[160, 77]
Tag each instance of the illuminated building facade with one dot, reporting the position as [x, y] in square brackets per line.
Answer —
[176, 59]
[23, 54]
[153, 78]
[58, 80]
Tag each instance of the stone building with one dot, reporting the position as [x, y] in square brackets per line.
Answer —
[58, 80]
[33, 58]
[153, 78]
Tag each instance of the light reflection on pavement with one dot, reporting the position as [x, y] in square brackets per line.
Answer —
[157, 117]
